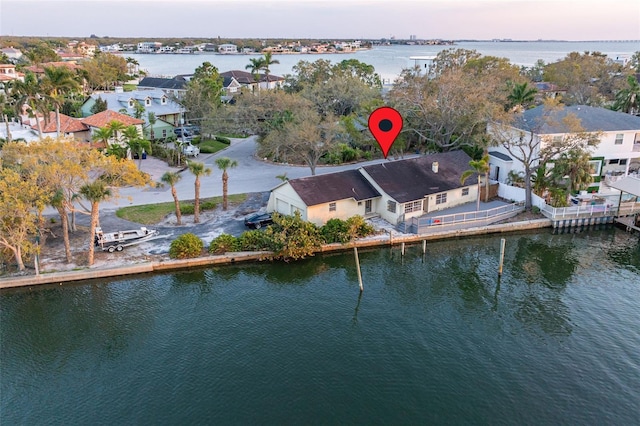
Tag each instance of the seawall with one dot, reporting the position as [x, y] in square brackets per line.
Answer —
[231, 258]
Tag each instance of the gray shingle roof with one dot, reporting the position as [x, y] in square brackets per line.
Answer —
[500, 155]
[541, 121]
[176, 83]
[117, 101]
[413, 179]
[331, 187]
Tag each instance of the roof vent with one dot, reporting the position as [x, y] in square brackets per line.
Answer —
[118, 89]
[434, 167]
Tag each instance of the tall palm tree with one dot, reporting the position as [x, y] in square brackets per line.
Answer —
[255, 66]
[223, 164]
[55, 83]
[480, 167]
[95, 193]
[28, 92]
[116, 128]
[575, 167]
[268, 61]
[151, 121]
[198, 169]
[171, 178]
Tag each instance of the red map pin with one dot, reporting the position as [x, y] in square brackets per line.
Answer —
[385, 124]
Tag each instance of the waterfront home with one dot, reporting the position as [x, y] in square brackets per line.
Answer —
[234, 80]
[396, 190]
[617, 155]
[11, 53]
[227, 49]
[319, 198]
[174, 86]
[167, 112]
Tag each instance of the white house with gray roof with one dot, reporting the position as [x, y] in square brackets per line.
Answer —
[166, 111]
[616, 156]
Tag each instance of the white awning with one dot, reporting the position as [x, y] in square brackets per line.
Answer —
[629, 184]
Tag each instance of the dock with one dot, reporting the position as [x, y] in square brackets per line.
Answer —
[629, 223]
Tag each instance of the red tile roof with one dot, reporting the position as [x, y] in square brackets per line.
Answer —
[67, 124]
[103, 118]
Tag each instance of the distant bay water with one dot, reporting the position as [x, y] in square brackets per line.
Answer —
[389, 61]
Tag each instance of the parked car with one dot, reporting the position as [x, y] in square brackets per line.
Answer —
[258, 220]
[193, 129]
[191, 150]
[183, 132]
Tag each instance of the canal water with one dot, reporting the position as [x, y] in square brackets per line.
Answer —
[434, 338]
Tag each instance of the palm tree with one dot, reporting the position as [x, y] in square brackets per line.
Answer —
[575, 167]
[28, 92]
[480, 167]
[151, 121]
[628, 100]
[102, 135]
[114, 127]
[223, 164]
[136, 144]
[256, 64]
[171, 178]
[521, 95]
[198, 169]
[56, 82]
[268, 61]
[95, 193]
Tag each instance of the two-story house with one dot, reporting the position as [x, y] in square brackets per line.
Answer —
[615, 156]
[139, 103]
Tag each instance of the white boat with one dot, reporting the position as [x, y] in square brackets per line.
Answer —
[117, 241]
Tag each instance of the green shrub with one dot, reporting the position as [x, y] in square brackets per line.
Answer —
[187, 209]
[224, 243]
[223, 140]
[186, 246]
[358, 227]
[335, 231]
[253, 241]
[208, 205]
[293, 238]
[535, 209]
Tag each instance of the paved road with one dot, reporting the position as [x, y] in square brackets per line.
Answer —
[251, 175]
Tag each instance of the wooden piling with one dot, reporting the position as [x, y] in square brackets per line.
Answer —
[355, 252]
[502, 244]
[402, 249]
[424, 246]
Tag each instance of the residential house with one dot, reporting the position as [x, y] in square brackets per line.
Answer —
[227, 49]
[69, 126]
[617, 155]
[236, 79]
[548, 90]
[323, 197]
[102, 119]
[8, 73]
[396, 191]
[12, 53]
[175, 86]
[142, 102]
[148, 47]
[38, 69]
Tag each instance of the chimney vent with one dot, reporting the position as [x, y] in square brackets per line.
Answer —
[434, 167]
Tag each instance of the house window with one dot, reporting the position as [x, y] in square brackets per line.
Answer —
[557, 140]
[391, 206]
[164, 133]
[623, 161]
[163, 100]
[413, 206]
[595, 166]
[332, 207]
[465, 192]
[619, 138]
[441, 198]
[147, 102]
[130, 103]
[614, 161]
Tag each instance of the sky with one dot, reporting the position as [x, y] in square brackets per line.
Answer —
[346, 19]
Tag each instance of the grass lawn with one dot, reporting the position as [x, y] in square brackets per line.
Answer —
[129, 87]
[210, 146]
[150, 214]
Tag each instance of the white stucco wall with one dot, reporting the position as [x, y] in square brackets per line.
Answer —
[345, 209]
[283, 199]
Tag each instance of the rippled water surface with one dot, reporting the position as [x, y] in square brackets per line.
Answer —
[433, 339]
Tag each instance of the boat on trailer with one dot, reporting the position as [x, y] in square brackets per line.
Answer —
[117, 241]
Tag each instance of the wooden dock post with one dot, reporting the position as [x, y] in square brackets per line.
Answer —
[402, 249]
[502, 244]
[424, 246]
[355, 252]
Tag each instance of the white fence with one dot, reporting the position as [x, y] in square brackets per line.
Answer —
[519, 195]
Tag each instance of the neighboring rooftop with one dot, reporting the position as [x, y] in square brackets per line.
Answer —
[593, 119]
[322, 189]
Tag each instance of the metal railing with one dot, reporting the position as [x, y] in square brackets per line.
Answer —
[482, 217]
[596, 210]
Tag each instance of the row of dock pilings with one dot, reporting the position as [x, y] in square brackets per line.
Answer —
[565, 224]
